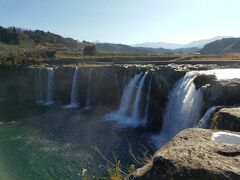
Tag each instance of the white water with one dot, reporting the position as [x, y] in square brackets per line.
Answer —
[205, 120]
[136, 113]
[185, 103]
[148, 100]
[74, 91]
[128, 93]
[129, 112]
[182, 110]
[226, 138]
[49, 100]
[88, 100]
[40, 93]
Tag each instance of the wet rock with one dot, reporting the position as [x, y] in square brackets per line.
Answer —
[193, 155]
[222, 93]
[227, 119]
[203, 79]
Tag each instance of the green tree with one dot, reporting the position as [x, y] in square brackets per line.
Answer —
[90, 50]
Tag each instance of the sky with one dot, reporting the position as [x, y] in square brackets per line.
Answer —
[126, 21]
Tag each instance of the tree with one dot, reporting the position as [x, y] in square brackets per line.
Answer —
[90, 50]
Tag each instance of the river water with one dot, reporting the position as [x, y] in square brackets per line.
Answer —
[50, 142]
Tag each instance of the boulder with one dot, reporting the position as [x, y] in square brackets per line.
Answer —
[227, 119]
[222, 93]
[193, 155]
[203, 79]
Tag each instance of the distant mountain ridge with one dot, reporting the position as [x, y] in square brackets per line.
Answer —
[122, 48]
[12, 37]
[196, 44]
[159, 45]
[223, 46]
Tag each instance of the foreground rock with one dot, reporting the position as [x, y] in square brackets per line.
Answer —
[193, 155]
[227, 119]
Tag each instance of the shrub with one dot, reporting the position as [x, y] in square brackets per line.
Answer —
[90, 50]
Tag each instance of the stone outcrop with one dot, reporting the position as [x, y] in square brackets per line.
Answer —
[218, 92]
[203, 79]
[193, 155]
[222, 93]
[227, 119]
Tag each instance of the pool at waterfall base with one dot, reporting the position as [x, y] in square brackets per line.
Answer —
[39, 142]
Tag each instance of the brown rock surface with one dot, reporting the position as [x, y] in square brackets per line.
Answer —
[193, 155]
[227, 119]
[222, 92]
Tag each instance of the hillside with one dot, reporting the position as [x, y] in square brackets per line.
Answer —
[223, 46]
[201, 43]
[27, 38]
[121, 48]
[193, 44]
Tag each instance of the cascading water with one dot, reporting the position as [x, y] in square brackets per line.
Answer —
[148, 100]
[88, 99]
[205, 120]
[74, 92]
[136, 105]
[182, 110]
[129, 112]
[40, 93]
[50, 73]
[128, 93]
[185, 104]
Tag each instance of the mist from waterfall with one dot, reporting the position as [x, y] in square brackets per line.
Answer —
[129, 112]
[50, 75]
[88, 98]
[74, 91]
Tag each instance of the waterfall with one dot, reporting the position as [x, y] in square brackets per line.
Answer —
[128, 93]
[205, 120]
[74, 91]
[136, 105]
[40, 93]
[129, 112]
[184, 106]
[88, 99]
[50, 74]
[182, 110]
[148, 100]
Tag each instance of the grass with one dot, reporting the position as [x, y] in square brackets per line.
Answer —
[22, 55]
[115, 170]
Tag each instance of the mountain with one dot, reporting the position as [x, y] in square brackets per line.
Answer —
[28, 38]
[122, 48]
[158, 45]
[203, 42]
[198, 44]
[223, 46]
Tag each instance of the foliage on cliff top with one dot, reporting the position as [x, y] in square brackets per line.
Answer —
[28, 38]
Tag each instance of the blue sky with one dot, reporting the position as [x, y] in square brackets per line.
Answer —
[126, 21]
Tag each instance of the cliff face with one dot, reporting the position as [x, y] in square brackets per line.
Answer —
[105, 83]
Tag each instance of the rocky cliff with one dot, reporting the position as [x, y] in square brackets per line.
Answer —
[227, 119]
[193, 155]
